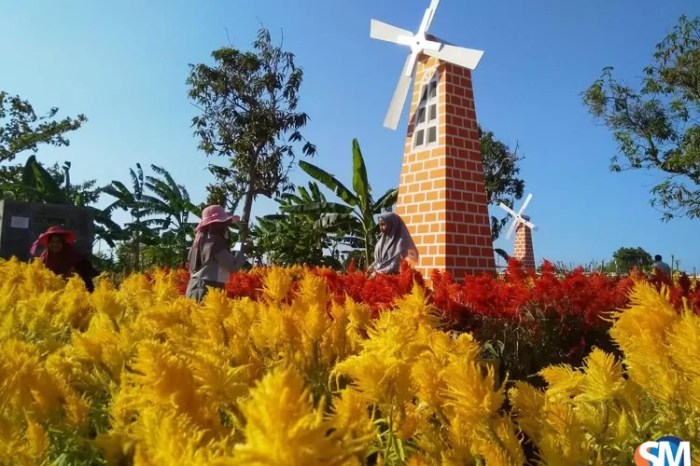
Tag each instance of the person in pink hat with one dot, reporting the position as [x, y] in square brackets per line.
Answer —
[211, 262]
[61, 257]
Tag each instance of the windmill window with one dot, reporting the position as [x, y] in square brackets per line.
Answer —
[424, 95]
[419, 137]
[421, 115]
[426, 119]
[432, 134]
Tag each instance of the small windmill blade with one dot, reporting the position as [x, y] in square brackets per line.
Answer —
[467, 58]
[387, 32]
[393, 115]
[527, 201]
[508, 209]
[529, 224]
[510, 231]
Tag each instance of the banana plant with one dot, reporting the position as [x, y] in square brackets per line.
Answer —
[170, 203]
[355, 212]
[290, 237]
[139, 232]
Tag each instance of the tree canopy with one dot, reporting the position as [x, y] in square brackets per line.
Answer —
[657, 126]
[21, 129]
[627, 258]
[501, 179]
[248, 102]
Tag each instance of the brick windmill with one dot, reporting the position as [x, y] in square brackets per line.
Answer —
[523, 227]
[442, 197]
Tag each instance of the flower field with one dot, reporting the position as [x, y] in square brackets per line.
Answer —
[304, 366]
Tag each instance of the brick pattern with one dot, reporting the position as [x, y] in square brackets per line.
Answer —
[442, 197]
[523, 250]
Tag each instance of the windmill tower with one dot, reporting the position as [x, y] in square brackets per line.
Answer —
[442, 197]
[523, 250]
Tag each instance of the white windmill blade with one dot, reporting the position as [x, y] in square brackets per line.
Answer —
[508, 209]
[529, 224]
[393, 115]
[527, 201]
[466, 58]
[430, 14]
[510, 231]
[427, 18]
[410, 64]
[387, 32]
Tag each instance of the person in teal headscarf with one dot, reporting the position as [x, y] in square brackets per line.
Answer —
[394, 245]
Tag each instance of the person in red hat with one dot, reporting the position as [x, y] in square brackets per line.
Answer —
[61, 257]
[211, 262]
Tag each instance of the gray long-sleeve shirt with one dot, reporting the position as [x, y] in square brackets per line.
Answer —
[391, 266]
[218, 268]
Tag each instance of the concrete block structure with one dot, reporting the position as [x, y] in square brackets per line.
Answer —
[21, 223]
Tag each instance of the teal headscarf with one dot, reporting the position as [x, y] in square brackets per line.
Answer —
[397, 240]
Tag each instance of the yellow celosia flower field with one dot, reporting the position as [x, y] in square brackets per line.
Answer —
[141, 375]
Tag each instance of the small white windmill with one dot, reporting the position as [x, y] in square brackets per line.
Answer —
[419, 42]
[518, 216]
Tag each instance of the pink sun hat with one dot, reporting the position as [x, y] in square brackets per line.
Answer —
[216, 214]
[68, 237]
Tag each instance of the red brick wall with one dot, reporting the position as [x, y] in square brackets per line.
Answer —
[523, 250]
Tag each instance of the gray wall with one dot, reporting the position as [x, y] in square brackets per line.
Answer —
[21, 223]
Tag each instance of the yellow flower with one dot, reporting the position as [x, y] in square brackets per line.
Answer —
[683, 345]
[426, 375]
[165, 378]
[603, 377]
[316, 322]
[640, 332]
[38, 441]
[563, 382]
[352, 421]
[106, 300]
[101, 344]
[284, 428]
[381, 377]
[277, 284]
[563, 441]
[313, 290]
[359, 314]
[169, 438]
[528, 407]
[414, 308]
[74, 305]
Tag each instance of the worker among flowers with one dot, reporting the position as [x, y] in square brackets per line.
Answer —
[210, 261]
[394, 245]
[62, 258]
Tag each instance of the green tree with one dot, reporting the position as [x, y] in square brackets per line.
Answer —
[22, 130]
[354, 216]
[500, 176]
[657, 126]
[248, 102]
[624, 259]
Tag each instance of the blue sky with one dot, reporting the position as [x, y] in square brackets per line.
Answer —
[125, 66]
